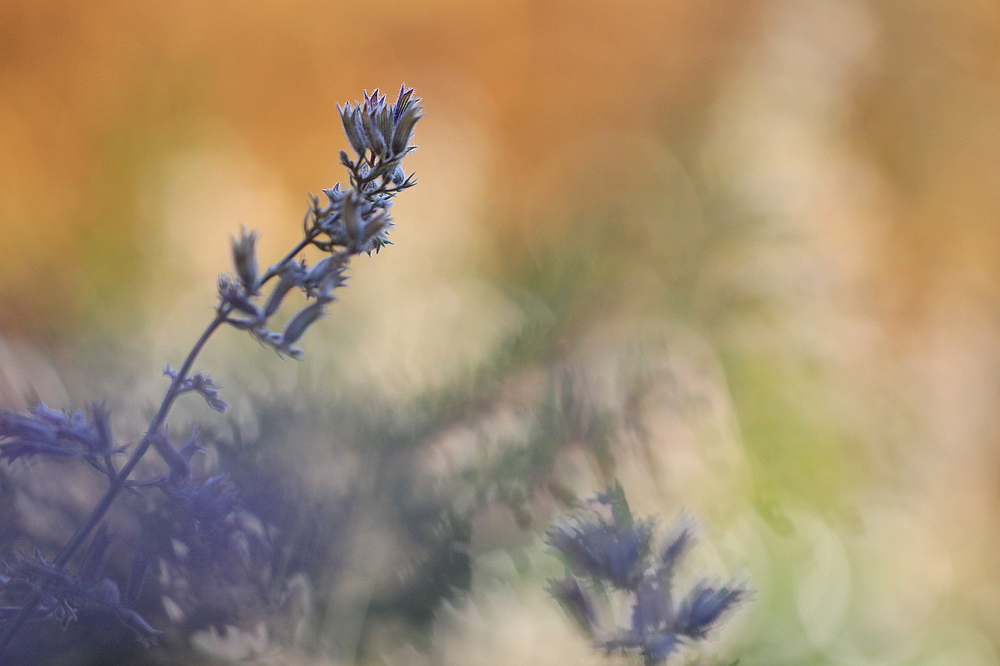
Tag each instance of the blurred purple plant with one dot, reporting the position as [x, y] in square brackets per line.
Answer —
[63, 594]
[615, 553]
[44, 431]
[351, 222]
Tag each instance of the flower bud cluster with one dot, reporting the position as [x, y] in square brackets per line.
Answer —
[615, 553]
[383, 131]
[351, 222]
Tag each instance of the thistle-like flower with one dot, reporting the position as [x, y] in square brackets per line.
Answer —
[610, 550]
[616, 554]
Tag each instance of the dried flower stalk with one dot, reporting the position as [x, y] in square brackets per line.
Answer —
[351, 222]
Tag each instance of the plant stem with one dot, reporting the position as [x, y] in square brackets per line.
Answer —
[98, 512]
[275, 269]
[118, 482]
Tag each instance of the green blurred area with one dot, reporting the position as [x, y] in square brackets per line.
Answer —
[757, 239]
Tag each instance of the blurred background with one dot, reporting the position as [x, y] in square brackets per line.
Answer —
[742, 256]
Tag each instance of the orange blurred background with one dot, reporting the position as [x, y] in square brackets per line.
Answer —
[97, 97]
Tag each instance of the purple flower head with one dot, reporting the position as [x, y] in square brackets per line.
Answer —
[615, 553]
[704, 606]
[658, 628]
[604, 550]
[575, 600]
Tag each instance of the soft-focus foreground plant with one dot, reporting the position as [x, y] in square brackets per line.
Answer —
[608, 550]
[352, 221]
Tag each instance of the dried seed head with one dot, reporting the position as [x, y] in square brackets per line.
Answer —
[383, 120]
[373, 136]
[334, 194]
[276, 341]
[302, 321]
[245, 259]
[285, 284]
[404, 129]
[322, 268]
[233, 295]
[351, 215]
[323, 290]
[397, 176]
[373, 230]
[402, 102]
[348, 116]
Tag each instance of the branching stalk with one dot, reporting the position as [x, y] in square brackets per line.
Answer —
[354, 221]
